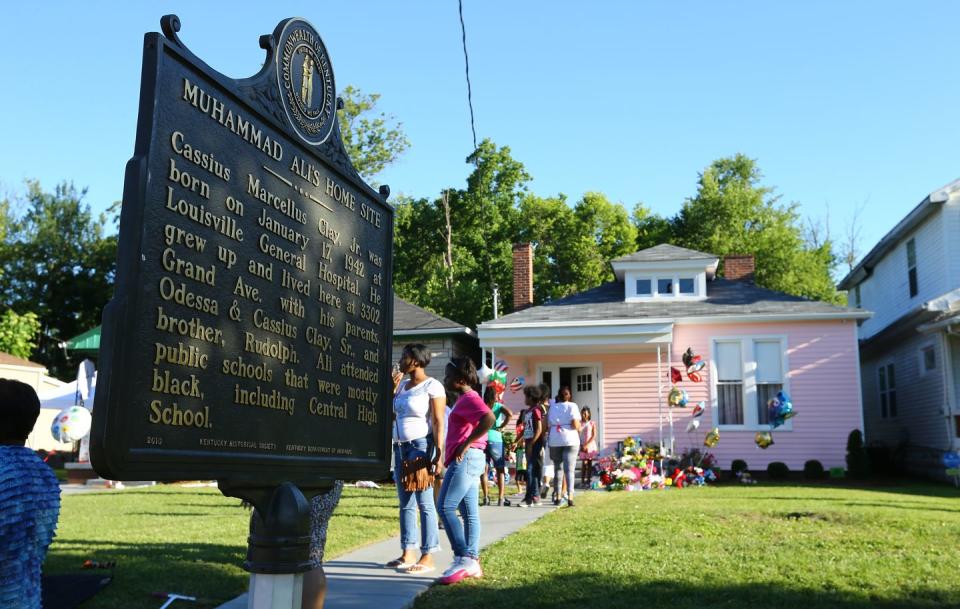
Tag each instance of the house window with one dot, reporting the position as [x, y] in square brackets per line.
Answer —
[584, 382]
[729, 383]
[856, 296]
[928, 359]
[686, 285]
[644, 287]
[665, 287]
[888, 391]
[769, 375]
[912, 266]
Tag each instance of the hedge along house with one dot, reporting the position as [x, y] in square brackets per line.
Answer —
[605, 343]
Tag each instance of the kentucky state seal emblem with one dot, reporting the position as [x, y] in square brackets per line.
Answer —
[306, 81]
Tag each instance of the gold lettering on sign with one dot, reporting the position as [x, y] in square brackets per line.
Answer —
[225, 225]
[285, 206]
[175, 416]
[179, 355]
[238, 367]
[192, 328]
[273, 400]
[327, 409]
[201, 159]
[207, 104]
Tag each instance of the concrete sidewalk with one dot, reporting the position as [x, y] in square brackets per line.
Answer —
[358, 580]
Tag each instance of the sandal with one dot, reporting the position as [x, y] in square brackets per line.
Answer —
[417, 568]
[398, 563]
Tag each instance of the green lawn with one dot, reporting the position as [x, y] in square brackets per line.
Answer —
[766, 546]
[187, 540]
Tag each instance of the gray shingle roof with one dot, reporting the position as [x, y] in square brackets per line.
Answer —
[664, 252]
[724, 297]
[409, 317]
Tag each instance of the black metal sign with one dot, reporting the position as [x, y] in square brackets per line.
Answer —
[250, 333]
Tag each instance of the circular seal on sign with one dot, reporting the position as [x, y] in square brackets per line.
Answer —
[306, 81]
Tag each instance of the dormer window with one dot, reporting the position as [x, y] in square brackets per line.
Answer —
[665, 272]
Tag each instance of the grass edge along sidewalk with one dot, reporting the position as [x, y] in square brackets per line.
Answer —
[731, 546]
[192, 541]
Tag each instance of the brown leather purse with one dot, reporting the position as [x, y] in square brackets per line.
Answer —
[416, 474]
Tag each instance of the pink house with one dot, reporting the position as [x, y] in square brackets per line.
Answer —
[614, 346]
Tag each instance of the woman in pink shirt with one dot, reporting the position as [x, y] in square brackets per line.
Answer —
[467, 427]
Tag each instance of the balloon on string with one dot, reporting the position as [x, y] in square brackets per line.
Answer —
[501, 365]
[677, 397]
[675, 375]
[763, 439]
[693, 425]
[71, 424]
[712, 438]
[517, 384]
[698, 409]
[779, 409]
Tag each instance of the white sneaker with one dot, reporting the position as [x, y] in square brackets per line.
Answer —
[455, 566]
[472, 567]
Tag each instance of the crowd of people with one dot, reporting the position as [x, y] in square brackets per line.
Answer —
[463, 445]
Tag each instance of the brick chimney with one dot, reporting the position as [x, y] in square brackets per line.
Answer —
[738, 267]
[522, 276]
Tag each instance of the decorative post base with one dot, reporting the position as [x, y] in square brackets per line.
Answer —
[281, 591]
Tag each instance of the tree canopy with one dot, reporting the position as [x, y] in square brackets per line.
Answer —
[57, 263]
[372, 139]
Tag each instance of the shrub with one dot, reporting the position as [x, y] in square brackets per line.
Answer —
[778, 470]
[738, 465]
[813, 470]
[858, 464]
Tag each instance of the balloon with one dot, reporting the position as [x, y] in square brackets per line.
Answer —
[693, 425]
[675, 375]
[780, 408]
[712, 438]
[516, 384]
[677, 397]
[763, 439]
[497, 376]
[698, 409]
[501, 366]
[484, 373]
[694, 376]
[71, 424]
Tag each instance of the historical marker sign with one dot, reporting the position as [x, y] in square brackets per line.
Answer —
[249, 335]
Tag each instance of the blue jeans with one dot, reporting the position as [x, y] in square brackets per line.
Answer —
[534, 472]
[411, 500]
[460, 492]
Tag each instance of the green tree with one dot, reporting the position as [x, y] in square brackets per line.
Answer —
[373, 139]
[652, 229]
[733, 214]
[57, 263]
[18, 333]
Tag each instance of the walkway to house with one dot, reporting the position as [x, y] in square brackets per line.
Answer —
[358, 580]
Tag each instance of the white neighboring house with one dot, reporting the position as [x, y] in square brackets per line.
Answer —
[910, 348]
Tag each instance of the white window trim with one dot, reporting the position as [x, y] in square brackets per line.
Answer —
[699, 285]
[748, 362]
[921, 365]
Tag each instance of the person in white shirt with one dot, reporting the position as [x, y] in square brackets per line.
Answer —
[418, 407]
[563, 426]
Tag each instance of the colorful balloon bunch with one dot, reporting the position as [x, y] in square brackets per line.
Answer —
[694, 364]
[779, 409]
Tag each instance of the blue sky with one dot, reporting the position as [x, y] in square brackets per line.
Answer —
[842, 103]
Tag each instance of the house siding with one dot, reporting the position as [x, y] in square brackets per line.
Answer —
[886, 292]
[921, 398]
[822, 376]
